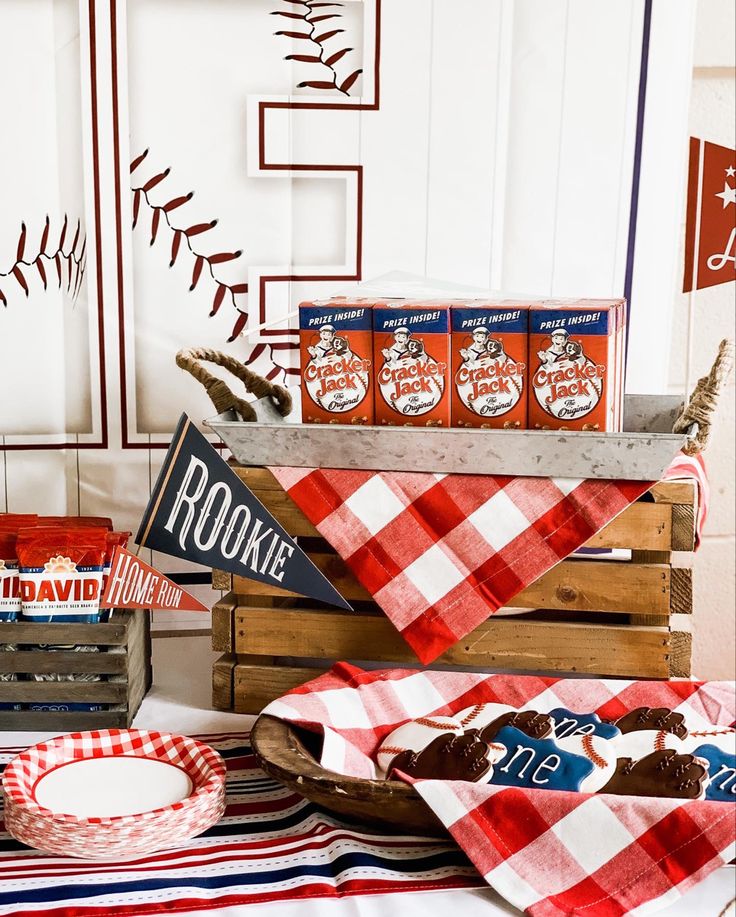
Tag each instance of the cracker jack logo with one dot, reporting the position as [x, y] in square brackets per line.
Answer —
[202, 511]
[488, 381]
[411, 381]
[336, 378]
[567, 384]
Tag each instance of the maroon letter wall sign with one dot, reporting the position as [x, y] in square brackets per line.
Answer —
[201, 510]
[710, 235]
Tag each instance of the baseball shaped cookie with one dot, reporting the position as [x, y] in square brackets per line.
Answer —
[415, 736]
[480, 715]
[599, 752]
[643, 742]
[567, 723]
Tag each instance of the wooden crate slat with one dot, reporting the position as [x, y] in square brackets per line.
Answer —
[683, 528]
[222, 624]
[257, 685]
[646, 526]
[681, 590]
[222, 580]
[102, 634]
[681, 653]
[497, 643]
[222, 682]
[331, 565]
[664, 492]
[60, 721]
[256, 478]
[102, 692]
[586, 585]
[62, 662]
[576, 585]
[139, 672]
[287, 513]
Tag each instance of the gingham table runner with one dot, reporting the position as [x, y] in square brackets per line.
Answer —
[271, 845]
[439, 553]
[550, 853]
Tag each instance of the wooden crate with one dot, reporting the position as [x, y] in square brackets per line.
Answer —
[587, 615]
[124, 662]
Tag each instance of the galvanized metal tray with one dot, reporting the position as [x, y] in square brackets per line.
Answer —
[642, 454]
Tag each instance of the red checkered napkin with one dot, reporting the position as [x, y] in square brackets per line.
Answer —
[439, 553]
[548, 852]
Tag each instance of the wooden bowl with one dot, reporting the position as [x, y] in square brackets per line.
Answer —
[290, 756]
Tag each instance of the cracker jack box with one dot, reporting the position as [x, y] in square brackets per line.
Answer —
[411, 357]
[335, 343]
[489, 365]
[575, 365]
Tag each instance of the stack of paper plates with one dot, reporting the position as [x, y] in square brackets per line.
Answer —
[113, 793]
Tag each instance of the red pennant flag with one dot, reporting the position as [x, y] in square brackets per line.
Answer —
[710, 235]
[132, 583]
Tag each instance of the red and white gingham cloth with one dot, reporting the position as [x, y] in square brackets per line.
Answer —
[550, 853]
[439, 553]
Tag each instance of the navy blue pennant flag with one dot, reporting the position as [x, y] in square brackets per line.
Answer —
[202, 511]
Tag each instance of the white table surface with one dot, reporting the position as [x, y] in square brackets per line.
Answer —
[180, 702]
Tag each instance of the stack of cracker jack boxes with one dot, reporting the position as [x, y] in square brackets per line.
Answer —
[503, 364]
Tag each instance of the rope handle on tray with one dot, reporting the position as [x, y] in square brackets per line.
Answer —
[220, 393]
[696, 417]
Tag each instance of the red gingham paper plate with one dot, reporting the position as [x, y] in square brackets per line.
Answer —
[113, 836]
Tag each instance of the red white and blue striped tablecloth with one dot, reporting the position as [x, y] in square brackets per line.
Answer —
[272, 845]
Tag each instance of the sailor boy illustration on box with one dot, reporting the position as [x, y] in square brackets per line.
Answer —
[557, 348]
[325, 344]
[400, 347]
[479, 346]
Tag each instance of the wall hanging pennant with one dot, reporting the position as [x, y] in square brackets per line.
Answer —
[202, 511]
[710, 235]
[132, 583]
